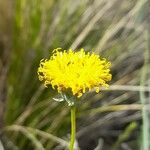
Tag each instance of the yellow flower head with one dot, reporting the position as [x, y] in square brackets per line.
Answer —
[74, 71]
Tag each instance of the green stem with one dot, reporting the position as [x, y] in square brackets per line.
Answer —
[73, 127]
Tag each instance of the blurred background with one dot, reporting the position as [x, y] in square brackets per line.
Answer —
[115, 119]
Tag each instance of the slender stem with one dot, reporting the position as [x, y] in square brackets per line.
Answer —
[144, 100]
[73, 127]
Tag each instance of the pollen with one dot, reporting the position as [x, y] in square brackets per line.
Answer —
[77, 72]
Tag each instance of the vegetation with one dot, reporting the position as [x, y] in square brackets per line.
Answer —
[114, 119]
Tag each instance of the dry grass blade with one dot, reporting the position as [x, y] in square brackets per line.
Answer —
[29, 108]
[38, 145]
[28, 130]
[128, 88]
[114, 28]
[90, 25]
[116, 108]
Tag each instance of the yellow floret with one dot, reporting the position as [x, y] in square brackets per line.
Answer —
[75, 71]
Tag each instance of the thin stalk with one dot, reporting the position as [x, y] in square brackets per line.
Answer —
[145, 127]
[73, 127]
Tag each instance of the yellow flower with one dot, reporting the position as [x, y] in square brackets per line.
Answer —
[74, 71]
